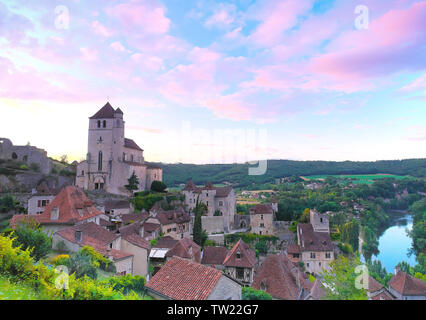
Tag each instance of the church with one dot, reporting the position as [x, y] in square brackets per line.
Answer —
[112, 158]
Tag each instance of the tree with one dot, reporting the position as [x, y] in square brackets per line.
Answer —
[133, 183]
[158, 186]
[29, 234]
[249, 293]
[350, 233]
[7, 204]
[199, 236]
[82, 265]
[306, 216]
[64, 158]
[340, 281]
[262, 247]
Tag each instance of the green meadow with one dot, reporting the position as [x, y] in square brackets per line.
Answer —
[359, 178]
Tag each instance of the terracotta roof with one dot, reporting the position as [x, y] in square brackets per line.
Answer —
[262, 209]
[173, 216]
[317, 292]
[374, 285]
[311, 240]
[89, 230]
[186, 248]
[384, 295]
[71, 205]
[278, 276]
[116, 204]
[182, 279]
[132, 217]
[407, 285]
[137, 241]
[129, 143]
[293, 248]
[43, 189]
[214, 255]
[221, 192]
[106, 112]
[247, 256]
[166, 242]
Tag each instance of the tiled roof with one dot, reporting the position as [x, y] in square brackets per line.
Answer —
[247, 256]
[89, 230]
[214, 255]
[129, 143]
[137, 241]
[317, 291]
[262, 209]
[186, 248]
[313, 241]
[71, 205]
[182, 279]
[106, 112]
[173, 216]
[293, 248]
[374, 285]
[221, 192]
[116, 204]
[278, 276]
[166, 242]
[407, 285]
[132, 217]
[44, 190]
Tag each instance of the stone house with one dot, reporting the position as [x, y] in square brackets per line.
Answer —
[112, 158]
[282, 279]
[140, 248]
[117, 208]
[157, 255]
[185, 248]
[183, 279]
[316, 248]
[214, 257]
[294, 253]
[240, 262]
[261, 219]
[100, 239]
[27, 154]
[320, 222]
[70, 207]
[40, 198]
[406, 287]
[174, 223]
[220, 202]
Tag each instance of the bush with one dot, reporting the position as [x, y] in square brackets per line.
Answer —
[61, 260]
[98, 259]
[158, 186]
[82, 265]
[30, 235]
[249, 293]
[127, 283]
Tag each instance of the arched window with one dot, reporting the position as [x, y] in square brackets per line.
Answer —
[100, 161]
[99, 123]
[104, 124]
[14, 156]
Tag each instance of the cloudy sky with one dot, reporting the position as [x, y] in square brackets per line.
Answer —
[219, 81]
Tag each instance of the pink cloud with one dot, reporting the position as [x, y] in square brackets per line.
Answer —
[100, 29]
[141, 16]
[117, 46]
[89, 54]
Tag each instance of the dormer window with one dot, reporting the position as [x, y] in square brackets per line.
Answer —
[78, 236]
[54, 214]
[238, 255]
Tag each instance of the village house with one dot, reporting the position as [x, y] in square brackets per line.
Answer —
[240, 262]
[406, 287]
[111, 158]
[117, 208]
[100, 239]
[70, 207]
[185, 248]
[377, 291]
[174, 223]
[320, 221]
[214, 257]
[261, 219]
[220, 202]
[157, 255]
[40, 198]
[316, 248]
[140, 248]
[294, 253]
[284, 280]
[183, 279]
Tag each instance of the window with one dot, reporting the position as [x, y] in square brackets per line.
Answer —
[104, 124]
[101, 186]
[99, 123]
[110, 245]
[124, 156]
[238, 255]
[261, 216]
[262, 225]
[207, 203]
[96, 186]
[100, 161]
[240, 273]
[312, 255]
[295, 255]
[307, 264]
[82, 172]
[328, 255]
[321, 220]
[14, 156]
[221, 203]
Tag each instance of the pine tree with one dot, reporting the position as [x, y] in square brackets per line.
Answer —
[133, 183]
[199, 236]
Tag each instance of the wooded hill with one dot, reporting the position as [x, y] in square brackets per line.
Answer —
[237, 174]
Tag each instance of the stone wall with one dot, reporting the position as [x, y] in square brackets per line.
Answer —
[226, 289]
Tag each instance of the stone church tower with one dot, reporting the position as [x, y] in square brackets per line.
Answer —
[112, 158]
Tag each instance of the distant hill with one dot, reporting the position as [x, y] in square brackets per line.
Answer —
[175, 174]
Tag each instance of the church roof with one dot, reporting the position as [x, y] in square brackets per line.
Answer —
[129, 143]
[106, 112]
[118, 111]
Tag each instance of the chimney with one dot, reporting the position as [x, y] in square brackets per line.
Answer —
[397, 269]
[78, 235]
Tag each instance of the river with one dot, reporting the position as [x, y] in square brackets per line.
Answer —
[394, 243]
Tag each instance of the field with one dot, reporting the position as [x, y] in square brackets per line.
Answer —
[357, 178]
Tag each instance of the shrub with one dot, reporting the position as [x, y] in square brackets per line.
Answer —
[158, 186]
[249, 293]
[98, 260]
[62, 259]
[30, 235]
[127, 283]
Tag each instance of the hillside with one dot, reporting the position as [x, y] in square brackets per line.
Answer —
[174, 174]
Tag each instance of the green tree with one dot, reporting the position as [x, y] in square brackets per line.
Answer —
[133, 183]
[306, 216]
[199, 210]
[340, 281]
[82, 265]
[262, 247]
[350, 233]
[158, 186]
[29, 235]
[249, 293]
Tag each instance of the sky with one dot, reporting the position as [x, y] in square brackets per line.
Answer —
[218, 81]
